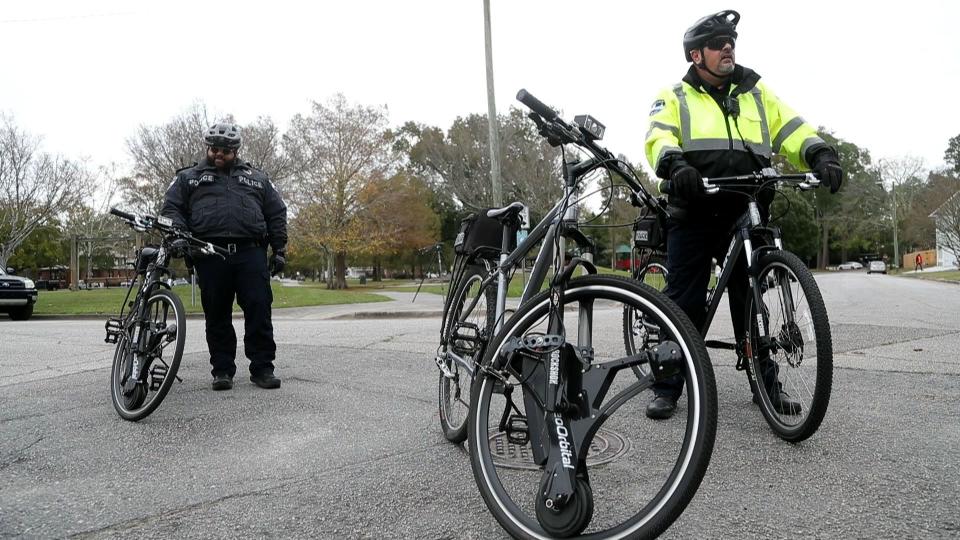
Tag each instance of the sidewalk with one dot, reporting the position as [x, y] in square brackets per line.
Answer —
[402, 305]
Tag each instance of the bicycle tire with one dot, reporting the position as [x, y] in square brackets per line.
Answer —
[683, 471]
[145, 399]
[457, 389]
[793, 372]
[638, 334]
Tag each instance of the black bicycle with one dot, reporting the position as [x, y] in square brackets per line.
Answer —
[557, 437]
[787, 344]
[151, 334]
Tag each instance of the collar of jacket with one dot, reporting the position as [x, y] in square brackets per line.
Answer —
[744, 77]
[206, 164]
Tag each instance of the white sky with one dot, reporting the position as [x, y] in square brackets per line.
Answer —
[85, 74]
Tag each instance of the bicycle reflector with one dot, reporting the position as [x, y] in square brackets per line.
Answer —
[590, 126]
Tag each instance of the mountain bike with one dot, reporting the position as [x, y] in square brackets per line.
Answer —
[551, 383]
[787, 345]
[150, 336]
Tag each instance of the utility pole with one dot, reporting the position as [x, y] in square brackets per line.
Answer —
[492, 111]
[896, 244]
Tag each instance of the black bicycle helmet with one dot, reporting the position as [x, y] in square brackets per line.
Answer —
[223, 135]
[723, 23]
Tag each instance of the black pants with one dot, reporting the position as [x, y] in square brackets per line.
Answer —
[244, 276]
[691, 246]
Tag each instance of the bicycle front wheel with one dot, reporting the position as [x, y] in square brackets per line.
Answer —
[470, 322]
[634, 476]
[791, 364]
[163, 335]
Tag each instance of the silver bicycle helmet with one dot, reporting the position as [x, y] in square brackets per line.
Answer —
[223, 135]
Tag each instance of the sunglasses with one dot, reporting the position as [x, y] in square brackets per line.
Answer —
[218, 150]
[718, 43]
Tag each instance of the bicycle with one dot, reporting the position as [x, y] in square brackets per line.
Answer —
[567, 372]
[141, 374]
[787, 340]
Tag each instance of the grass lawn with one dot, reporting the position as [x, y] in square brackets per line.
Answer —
[107, 301]
[516, 284]
[947, 275]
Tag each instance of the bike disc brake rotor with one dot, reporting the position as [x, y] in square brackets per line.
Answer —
[790, 340]
[570, 520]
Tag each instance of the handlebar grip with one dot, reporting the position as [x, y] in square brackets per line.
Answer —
[122, 214]
[536, 105]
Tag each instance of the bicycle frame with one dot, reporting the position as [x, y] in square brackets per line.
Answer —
[748, 226]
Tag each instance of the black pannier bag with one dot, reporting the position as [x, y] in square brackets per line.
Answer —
[650, 231]
[481, 237]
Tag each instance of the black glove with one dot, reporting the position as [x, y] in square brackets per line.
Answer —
[179, 247]
[686, 182]
[277, 262]
[828, 170]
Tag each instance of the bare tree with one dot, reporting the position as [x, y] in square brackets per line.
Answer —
[158, 151]
[98, 230]
[35, 187]
[339, 150]
[897, 172]
[459, 160]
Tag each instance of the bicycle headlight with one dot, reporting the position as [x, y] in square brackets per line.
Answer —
[590, 126]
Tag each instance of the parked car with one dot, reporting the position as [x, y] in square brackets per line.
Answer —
[877, 266]
[18, 295]
[849, 265]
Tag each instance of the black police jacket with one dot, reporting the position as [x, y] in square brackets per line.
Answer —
[239, 204]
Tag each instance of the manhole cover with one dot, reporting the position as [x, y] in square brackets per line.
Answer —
[606, 446]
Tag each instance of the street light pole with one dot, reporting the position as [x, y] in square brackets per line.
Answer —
[492, 111]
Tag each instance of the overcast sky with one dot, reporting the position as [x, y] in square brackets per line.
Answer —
[85, 74]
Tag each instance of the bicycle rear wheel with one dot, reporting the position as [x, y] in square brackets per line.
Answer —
[797, 358]
[634, 476]
[468, 328]
[164, 335]
[639, 331]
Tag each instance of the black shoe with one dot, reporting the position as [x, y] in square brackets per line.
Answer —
[782, 403]
[661, 407]
[222, 381]
[265, 380]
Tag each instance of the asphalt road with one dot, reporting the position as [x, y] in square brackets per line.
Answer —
[350, 446]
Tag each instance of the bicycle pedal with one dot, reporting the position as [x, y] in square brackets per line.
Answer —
[157, 374]
[517, 430]
[114, 328]
[465, 338]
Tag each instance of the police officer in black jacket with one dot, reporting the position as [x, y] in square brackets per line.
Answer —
[232, 204]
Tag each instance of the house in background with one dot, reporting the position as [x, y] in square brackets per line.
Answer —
[949, 210]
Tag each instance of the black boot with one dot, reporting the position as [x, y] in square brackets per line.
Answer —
[265, 380]
[222, 381]
[661, 407]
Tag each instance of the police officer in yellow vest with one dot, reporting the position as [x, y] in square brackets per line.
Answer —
[719, 121]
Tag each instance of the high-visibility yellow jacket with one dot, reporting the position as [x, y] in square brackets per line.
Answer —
[688, 123]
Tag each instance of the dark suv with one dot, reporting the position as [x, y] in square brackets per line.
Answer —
[17, 295]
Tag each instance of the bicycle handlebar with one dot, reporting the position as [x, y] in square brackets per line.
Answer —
[804, 181]
[537, 106]
[151, 222]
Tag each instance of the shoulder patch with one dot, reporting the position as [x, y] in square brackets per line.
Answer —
[657, 106]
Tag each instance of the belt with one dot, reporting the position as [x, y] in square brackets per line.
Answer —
[232, 245]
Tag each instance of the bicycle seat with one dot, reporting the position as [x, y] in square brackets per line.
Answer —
[502, 214]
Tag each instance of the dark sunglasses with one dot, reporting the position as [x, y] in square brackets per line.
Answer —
[718, 43]
[218, 150]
